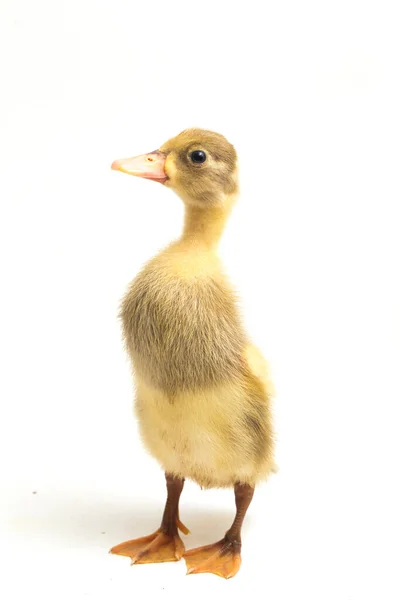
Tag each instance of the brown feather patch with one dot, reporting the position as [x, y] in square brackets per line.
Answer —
[182, 333]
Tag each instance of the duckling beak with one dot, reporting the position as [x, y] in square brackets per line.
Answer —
[148, 166]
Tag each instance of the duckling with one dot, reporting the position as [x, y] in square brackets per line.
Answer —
[202, 388]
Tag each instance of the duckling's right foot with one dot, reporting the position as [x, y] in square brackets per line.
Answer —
[154, 548]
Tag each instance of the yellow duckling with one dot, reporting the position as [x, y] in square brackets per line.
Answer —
[202, 389]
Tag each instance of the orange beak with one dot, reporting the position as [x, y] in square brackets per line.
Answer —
[149, 166]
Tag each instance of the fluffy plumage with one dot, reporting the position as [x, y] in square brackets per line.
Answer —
[202, 390]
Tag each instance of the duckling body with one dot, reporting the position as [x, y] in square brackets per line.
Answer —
[202, 389]
[201, 401]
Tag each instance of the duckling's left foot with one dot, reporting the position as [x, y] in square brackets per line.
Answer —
[222, 558]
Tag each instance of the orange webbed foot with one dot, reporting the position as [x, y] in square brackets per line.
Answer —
[155, 548]
[221, 558]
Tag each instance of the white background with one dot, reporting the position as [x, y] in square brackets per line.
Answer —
[309, 94]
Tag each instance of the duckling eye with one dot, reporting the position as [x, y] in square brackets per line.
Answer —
[198, 156]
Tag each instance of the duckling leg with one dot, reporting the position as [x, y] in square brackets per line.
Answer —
[164, 545]
[223, 557]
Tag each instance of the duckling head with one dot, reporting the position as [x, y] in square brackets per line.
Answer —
[199, 165]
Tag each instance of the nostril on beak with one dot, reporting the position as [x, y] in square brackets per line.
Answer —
[150, 159]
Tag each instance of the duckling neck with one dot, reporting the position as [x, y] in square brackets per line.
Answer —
[204, 226]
